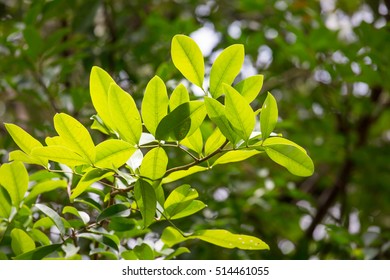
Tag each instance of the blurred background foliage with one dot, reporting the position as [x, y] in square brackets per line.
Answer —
[327, 63]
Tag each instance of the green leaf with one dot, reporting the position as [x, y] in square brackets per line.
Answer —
[235, 156]
[222, 238]
[80, 214]
[34, 42]
[214, 142]
[113, 153]
[60, 154]
[29, 159]
[250, 87]
[188, 59]
[174, 176]
[24, 140]
[14, 178]
[268, 116]
[177, 252]
[144, 252]
[39, 253]
[116, 210]
[154, 104]
[179, 199]
[21, 241]
[225, 68]
[179, 96]
[39, 236]
[217, 114]
[146, 200]
[154, 164]
[88, 179]
[194, 142]
[294, 158]
[45, 186]
[239, 113]
[124, 114]
[5, 204]
[192, 208]
[75, 135]
[99, 84]
[53, 216]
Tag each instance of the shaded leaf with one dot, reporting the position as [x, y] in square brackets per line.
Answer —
[14, 178]
[144, 252]
[39, 253]
[45, 186]
[154, 104]
[124, 114]
[225, 68]
[175, 125]
[5, 204]
[154, 164]
[80, 214]
[146, 200]
[53, 215]
[250, 87]
[188, 59]
[116, 210]
[268, 116]
[177, 252]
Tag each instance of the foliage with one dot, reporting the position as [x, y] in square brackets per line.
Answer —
[136, 193]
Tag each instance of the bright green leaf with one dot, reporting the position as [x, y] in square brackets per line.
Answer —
[124, 114]
[116, 210]
[5, 204]
[174, 176]
[99, 84]
[53, 215]
[188, 59]
[250, 87]
[45, 186]
[214, 142]
[60, 154]
[194, 142]
[268, 116]
[177, 252]
[29, 159]
[235, 156]
[80, 214]
[14, 178]
[146, 200]
[21, 242]
[217, 114]
[154, 164]
[144, 252]
[192, 208]
[88, 179]
[113, 153]
[179, 96]
[39, 236]
[75, 135]
[39, 253]
[24, 140]
[239, 112]
[222, 238]
[154, 104]
[294, 158]
[179, 199]
[225, 68]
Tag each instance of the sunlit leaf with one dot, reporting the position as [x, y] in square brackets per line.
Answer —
[99, 85]
[222, 238]
[214, 142]
[174, 176]
[239, 112]
[217, 114]
[21, 242]
[29, 159]
[235, 156]
[144, 252]
[88, 179]
[179, 199]
[5, 204]
[294, 158]
[146, 200]
[53, 215]
[60, 154]
[250, 87]
[179, 96]
[14, 178]
[154, 104]
[124, 114]
[75, 135]
[113, 153]
[193, 207]
[154, 164]
[188, 59]
[194, 142]
[268, 116]
[116, 210]
[225, 68]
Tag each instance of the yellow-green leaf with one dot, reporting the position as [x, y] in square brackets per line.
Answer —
[225, 68]
[194, 141]
[23, 139]
[45, 186]
[5, 204]
[99, 83]
[21, 242]
[154, 104]
[154, 164]
[124, 114]
[214, 142]
[75, 135]
[174, 176]
[53, 215]
[179, 96]
[14, 178]
[18, 155]
[250, 87]
[179, 199]
[235, 156]
[113, 153]
[60, 154]
[268, 116]
[239, 112]
[188, 59]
